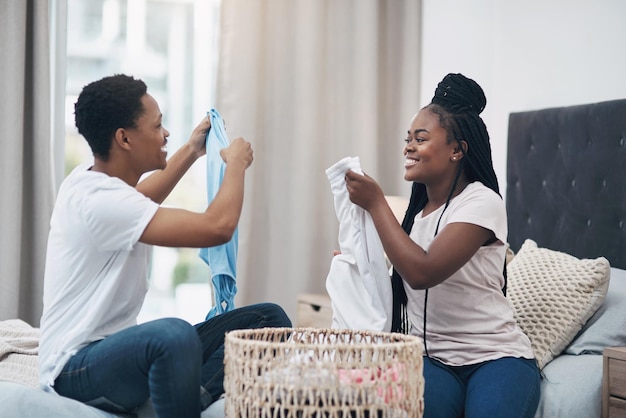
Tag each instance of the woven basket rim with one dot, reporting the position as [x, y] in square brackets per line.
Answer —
[403, 340]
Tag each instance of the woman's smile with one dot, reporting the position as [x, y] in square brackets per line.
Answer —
[408, 162]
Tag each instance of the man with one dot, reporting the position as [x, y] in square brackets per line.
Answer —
[103, 222]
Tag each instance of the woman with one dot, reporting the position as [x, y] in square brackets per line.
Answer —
[449, 276]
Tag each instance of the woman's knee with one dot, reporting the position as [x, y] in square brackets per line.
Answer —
[444, 392]
[502, 386]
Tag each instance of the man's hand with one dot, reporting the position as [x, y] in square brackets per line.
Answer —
[197, 140]
[238, 152]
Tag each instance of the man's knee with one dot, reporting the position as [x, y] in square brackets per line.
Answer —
[177, 334]
[277, 317]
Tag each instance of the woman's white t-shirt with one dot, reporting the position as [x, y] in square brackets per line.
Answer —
[468, 318]
[96, 270]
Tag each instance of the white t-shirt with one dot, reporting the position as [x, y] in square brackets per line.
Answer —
[468, 319]
[96, 270]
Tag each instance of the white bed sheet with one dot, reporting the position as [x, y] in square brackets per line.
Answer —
[572, 387]
[19, 401]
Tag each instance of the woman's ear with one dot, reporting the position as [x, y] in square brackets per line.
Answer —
[459, 151]
[464, 146]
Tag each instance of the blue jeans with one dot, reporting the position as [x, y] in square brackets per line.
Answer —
[179, 366]
[506, 387]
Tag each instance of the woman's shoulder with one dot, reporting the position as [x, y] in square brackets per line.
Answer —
[477, 191]
[477, 200]
[482, 206]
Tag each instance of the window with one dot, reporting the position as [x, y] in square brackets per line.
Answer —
[172, 46]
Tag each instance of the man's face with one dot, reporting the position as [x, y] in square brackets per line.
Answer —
[149, 137]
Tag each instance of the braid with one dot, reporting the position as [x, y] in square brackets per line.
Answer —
[477, 159]
[458, 101]
[399, 318]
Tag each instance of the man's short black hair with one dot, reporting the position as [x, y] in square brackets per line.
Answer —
[106, 105]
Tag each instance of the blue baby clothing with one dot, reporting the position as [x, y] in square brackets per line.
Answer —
[221, 259]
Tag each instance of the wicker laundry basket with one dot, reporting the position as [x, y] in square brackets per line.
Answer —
[314, 372]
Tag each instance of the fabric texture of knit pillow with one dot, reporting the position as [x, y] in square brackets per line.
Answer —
[553, 294]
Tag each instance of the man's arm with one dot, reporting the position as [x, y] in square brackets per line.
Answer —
[216, 225]
[158, 185]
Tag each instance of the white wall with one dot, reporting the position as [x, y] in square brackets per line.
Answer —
[526, 55]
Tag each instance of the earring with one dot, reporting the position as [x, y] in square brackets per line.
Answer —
[453, 158]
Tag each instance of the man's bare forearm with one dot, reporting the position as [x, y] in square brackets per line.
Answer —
[158, 185]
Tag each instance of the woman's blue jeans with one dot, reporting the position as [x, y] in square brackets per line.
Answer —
[179, 366]
[506, 387]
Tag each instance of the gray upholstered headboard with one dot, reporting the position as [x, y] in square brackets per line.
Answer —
[566, 180]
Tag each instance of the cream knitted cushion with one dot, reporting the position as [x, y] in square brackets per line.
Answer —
[553, 294]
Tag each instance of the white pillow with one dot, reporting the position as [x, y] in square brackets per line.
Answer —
[553, 294]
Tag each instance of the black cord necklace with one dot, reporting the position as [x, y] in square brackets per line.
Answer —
[454, 184]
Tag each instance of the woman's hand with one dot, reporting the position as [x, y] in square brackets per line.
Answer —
[197, 140]
[364, 191]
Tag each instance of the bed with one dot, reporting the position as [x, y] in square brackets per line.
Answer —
[566, 200]
[566, 196]
[20, 396]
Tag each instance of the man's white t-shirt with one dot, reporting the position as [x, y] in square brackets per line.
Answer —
[96, 270]
[468, 318]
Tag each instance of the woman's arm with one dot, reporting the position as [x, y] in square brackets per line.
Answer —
[454, 245]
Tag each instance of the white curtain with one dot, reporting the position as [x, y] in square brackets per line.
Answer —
[309, 82]
[26, 161]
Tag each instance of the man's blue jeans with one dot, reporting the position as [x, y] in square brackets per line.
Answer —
[179, 366]
[506, 387]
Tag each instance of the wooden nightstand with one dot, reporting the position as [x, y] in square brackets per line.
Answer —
[614, 383]
[314, 310]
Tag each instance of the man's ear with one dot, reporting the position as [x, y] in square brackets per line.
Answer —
[121, 138]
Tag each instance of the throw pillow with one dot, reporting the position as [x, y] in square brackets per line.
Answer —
[553, 294]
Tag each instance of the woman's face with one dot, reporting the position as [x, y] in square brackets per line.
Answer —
[428, 154]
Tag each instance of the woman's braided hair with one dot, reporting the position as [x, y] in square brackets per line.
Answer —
[458, 102]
